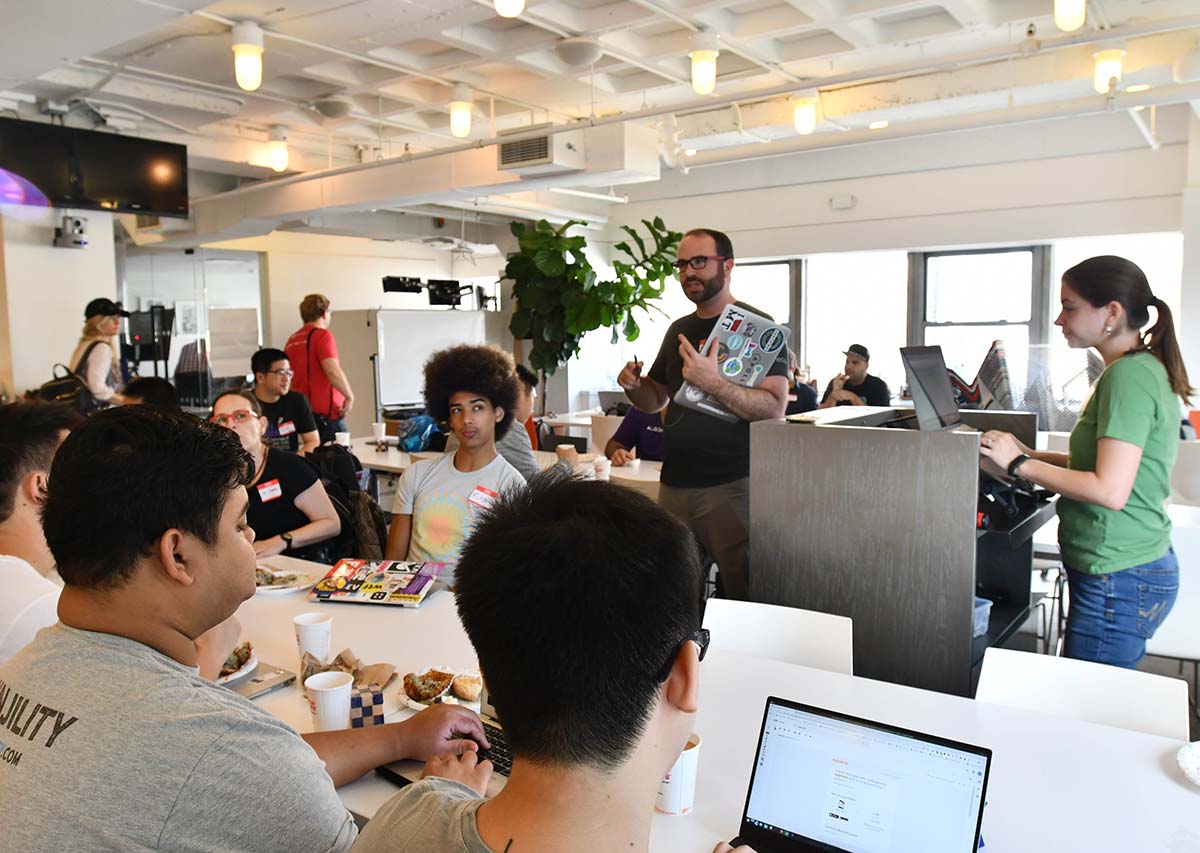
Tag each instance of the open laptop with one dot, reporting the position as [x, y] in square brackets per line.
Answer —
[404, 772]
[828, 781]
[932, 394]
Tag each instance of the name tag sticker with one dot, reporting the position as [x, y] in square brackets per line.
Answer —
[269, 491]
[482, 497]
[286, 427]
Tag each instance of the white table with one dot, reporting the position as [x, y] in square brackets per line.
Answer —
[581, 420]
[1056, 783]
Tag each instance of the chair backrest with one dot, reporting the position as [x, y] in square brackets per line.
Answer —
[603, 427]
[804, 637]
[1094, 692]
[552, 441]
[1185, 476]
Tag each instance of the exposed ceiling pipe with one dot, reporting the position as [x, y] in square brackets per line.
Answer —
[741, 128]
[1091, 105]
[611, 197]
[345, 54]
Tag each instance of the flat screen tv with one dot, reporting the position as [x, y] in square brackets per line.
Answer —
[96, 171]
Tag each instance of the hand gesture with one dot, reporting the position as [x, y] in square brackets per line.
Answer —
[839, 382]
[441, 730]
[465, 768]
[1000, 448]
[700, 370]
[621, 457]
[630, 376]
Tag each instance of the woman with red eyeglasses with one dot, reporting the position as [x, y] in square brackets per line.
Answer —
[289, 509]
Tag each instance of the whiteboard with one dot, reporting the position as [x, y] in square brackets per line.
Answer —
[233, 339]
[408, 338]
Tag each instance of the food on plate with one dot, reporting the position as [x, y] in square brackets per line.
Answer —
[238, 659]
[467, 687]
[266, 577]
[346, 661]
[427, 686]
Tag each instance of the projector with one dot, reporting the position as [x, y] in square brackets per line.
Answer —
[401, 284]
[72, 234]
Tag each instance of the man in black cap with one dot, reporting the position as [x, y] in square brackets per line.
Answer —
[855, 387]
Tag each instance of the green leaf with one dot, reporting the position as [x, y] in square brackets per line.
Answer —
[550, 262]
[519, 324]
[517, 228]
[636, 238]
[623, 247]
[631, 328]
[658, 223]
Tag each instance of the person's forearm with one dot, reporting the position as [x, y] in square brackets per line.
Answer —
[309, 442]
[398, 538]
[317, 530]
[1050, 457]
[749, 404]
[350, 753]
[612, 447]
[1083, 486]
[338, 379]
[649, 396]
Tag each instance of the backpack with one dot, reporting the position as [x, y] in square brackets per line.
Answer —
[69, 388]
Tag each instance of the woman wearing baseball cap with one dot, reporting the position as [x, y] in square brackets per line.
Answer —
[95, 356]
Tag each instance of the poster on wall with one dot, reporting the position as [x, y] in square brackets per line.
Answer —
[187, 317]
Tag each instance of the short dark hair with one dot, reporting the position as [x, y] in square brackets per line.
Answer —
[255, 404]
[152, 391]
[262, 360]
[528, 378]
[720, 238]
[482, 369]
[28, 438]
[575, 595]
[126, 476]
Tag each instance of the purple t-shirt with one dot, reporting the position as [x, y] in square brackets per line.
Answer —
[642, 431]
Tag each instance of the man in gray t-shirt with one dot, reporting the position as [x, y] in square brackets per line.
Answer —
[110, 739]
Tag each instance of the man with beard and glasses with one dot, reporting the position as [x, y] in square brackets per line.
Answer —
[706, 460]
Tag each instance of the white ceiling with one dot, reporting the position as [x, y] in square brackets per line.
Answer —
[164, 67]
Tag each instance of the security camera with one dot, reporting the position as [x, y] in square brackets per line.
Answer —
[72, 234]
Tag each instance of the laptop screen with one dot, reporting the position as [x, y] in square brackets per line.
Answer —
[827, 781]
[929, 383]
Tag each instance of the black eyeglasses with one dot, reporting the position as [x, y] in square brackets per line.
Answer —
[700, 637]
[698, 262]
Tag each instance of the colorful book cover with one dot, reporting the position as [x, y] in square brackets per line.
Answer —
[377, 582]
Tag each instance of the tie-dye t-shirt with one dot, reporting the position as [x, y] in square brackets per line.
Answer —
[444, 503]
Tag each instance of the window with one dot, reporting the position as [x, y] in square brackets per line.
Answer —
[854, 298]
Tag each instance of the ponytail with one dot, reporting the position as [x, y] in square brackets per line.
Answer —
[1161, 341]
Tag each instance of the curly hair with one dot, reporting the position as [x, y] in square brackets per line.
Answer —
[485, 370]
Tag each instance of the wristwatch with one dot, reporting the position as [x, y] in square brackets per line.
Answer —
[1017, 463]
[286, 536]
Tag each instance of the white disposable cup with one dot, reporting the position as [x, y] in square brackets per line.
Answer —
[602, 467]
[329, 699]
[677, 792]
[314, 634]
[378, 431]
[342, 438]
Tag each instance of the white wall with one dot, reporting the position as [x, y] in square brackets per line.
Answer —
[43, 290]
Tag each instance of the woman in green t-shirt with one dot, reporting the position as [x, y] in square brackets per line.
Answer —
[1114, 532]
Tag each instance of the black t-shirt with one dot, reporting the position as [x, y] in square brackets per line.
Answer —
[273, 507]
[698, 449]
[287, 418]
[873, 391]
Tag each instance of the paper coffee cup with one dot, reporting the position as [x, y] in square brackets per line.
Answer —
[602, 467]
[314, 634]
[378, 431]
[342, 438]
[329, 699]
[677, 792]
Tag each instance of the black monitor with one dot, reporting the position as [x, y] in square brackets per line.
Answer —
[933, 398]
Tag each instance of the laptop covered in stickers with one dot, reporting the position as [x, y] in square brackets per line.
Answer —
[747, 345]
[391, 582]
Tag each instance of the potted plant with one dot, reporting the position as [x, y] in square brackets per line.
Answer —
[560, 297]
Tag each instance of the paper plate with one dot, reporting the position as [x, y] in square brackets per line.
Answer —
[302, 581]
[247, 668]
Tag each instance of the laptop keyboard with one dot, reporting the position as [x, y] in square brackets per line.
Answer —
[499, 754]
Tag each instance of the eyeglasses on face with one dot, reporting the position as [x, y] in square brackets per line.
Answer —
[238, 417]
[697, 262]
[701, 637]
[284, 373]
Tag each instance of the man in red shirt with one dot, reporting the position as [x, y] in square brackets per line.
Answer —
[313, 354]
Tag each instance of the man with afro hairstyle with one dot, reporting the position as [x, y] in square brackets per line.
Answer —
[474, 389]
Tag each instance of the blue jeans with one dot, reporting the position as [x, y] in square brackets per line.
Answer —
[1111, 616]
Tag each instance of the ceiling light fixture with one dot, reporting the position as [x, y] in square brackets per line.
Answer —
[804, 113]
[1069, 15]
[689, 152]
[460, 110]
[1137, 87]
[508, 8]
[706, 47]
[1107, 70]
[247, 55]
[277, 148]
[878, 125]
